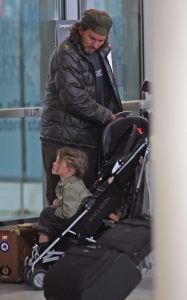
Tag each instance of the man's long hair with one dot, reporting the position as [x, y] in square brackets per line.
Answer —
[75, 36]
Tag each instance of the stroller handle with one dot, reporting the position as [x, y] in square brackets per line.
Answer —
[122, 114]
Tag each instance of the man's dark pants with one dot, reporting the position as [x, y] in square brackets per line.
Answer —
[49, 153]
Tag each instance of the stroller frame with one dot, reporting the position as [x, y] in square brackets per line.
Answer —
[50, 256]
[50, 253]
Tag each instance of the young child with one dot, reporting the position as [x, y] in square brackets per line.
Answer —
[71, 191]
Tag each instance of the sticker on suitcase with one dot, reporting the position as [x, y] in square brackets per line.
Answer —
[4, 247]
[5, 271]
[4, 237]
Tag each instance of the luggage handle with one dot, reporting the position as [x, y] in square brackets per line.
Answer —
[26, 225]
[141, 220]
[87, 252]
[137, 224]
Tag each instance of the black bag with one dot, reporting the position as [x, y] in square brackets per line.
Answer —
[90, 273]
[130, 236]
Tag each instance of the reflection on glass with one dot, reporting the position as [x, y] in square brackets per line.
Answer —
[21, 168]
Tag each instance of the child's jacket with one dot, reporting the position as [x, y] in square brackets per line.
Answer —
[71, 194]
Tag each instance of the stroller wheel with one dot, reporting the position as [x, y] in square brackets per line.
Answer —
[36, 279]
[26, 274]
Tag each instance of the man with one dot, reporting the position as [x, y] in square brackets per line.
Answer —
[81, 96]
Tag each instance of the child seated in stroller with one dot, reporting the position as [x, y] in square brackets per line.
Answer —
[71, 191]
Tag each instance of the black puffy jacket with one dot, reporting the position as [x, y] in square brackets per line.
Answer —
[70, 114]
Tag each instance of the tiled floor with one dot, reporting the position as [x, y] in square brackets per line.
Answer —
[22, 291]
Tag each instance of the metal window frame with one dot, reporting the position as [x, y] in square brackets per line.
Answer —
[25, 112]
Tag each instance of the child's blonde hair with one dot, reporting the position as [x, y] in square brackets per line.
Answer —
[76, 159]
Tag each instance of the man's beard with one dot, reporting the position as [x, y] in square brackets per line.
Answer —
[86, 50]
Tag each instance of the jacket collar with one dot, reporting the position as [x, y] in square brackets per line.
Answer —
[66, 44]
[71, 179]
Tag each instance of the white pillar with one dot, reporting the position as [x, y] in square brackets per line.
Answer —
[169, 147]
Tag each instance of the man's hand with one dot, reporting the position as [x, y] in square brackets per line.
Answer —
[113, 117]
[55, 203]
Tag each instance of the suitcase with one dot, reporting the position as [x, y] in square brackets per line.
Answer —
[130, 236]
[90, 273]
[15, 245]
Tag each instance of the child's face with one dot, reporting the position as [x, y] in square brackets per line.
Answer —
[60, 168]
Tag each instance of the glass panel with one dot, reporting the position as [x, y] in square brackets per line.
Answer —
[31, 52]
[131, 45]
[22, 200]
[20, 66]
[21, 168]
[10, 150]
[9, 56]
[20, 150]
[126, 18]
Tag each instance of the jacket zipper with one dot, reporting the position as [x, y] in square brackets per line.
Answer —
[93, 70]
[114, 82]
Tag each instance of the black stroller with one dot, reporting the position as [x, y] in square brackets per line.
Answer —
[125, 141]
